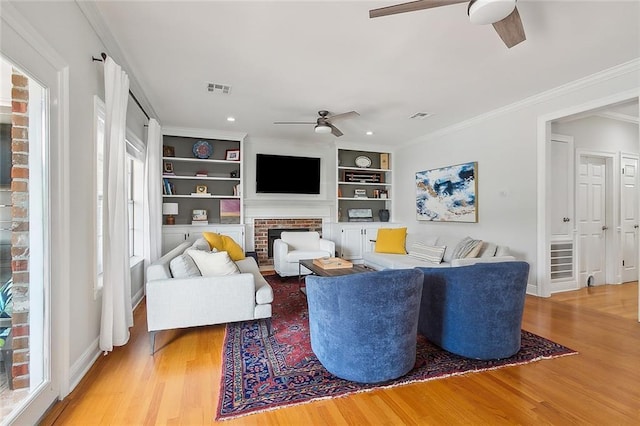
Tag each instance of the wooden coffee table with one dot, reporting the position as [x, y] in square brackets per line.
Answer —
[335, 272]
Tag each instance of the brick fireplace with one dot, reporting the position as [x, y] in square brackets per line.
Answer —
[261, 229]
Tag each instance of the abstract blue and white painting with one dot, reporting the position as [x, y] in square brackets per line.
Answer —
[448, 194]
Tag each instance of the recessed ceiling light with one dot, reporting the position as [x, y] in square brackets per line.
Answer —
[369, 133]
[231, 119]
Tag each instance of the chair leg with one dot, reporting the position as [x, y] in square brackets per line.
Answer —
[267, 322]
[152, 338]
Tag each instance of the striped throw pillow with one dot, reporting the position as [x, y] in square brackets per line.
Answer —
[426, 252]
[464, 247]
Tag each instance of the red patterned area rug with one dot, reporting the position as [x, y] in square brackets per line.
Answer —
[264, 373]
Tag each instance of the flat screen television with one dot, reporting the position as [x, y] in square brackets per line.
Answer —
[284, 174]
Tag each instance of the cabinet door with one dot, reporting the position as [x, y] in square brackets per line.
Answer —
[561, 190]
[369, 235]
[351, 243]
[172, 237]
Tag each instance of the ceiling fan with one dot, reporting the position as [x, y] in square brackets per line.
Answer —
[324, 123]
[503, 14]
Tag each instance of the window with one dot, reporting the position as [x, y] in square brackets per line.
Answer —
[135, 182]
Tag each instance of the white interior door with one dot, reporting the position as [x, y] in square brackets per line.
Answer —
[629, 219]
[592, 221]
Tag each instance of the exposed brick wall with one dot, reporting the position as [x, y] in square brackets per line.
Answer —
[20, 227]
[262, 226]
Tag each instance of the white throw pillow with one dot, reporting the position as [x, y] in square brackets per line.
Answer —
[426, 252]
[201, 244]
[213, 263]
[465, 247]
[183, 266]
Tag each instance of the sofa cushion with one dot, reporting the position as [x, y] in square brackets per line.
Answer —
[301, 240]
[296, 255]
[426, 252]
[183, 266]
[488, 250]
[391, 240]
[224, 243]
[264, 292]
[464, 247]
[213, 263]
[397, 261]
[201, 244]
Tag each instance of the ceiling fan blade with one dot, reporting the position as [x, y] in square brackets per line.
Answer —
[510, 29]
[344, 115]
[334, 130]
[411, 7]
[294, 122]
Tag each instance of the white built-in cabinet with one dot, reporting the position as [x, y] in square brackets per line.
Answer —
[353, 240]
[195, 183]
[562, 242]
[173, 235]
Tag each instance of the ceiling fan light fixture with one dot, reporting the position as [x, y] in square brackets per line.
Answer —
[322, 128]
[483, 12]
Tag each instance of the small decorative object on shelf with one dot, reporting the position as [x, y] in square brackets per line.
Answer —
[202, 149]
[360, 193]
[383, 214]
[170, 210]
[202, 173]
[230, 210]
[232, 155]
[201, 189]
[168, 168]
[168, 151]
[384, 194]
[384, 161]
[360, 215]
[199, 217]
[236, 190]
[363, 161]
[235, 174]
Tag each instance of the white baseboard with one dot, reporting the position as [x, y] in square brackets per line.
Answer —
[83, 364]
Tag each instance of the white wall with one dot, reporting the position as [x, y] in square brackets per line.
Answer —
[600, 134]
[505, 145]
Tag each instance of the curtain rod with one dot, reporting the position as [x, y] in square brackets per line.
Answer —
[104, 57]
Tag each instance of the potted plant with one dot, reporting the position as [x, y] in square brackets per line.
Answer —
[6, 308]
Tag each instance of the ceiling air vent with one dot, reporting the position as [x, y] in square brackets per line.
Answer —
[421, 115]
[219, 88]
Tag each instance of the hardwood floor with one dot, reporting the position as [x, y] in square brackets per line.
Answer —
[599, 386]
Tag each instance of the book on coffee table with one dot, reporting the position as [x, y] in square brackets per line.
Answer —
[332, 263]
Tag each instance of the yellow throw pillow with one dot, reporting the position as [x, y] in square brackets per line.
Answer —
[214, 240]
[391, 240]
[231, 247]
[224, 243]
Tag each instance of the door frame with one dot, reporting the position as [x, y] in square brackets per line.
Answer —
[543, 181]
[613, 272]
[30, 52]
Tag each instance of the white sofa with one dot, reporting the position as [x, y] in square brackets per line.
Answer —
[197, 300]
[489, 252]
[292, 247]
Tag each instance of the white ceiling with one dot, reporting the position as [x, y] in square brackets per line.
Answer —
[286, 60]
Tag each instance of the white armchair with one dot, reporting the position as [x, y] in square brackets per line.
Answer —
[291, 247]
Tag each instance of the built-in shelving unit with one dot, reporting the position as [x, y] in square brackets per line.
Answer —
[360, 187]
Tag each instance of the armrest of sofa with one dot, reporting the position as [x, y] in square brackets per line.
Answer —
[328, 245]
[195, 301]
[280, 250]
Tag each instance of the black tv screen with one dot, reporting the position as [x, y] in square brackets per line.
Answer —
[283, 174]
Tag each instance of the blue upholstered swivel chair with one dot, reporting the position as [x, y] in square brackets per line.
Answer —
[364, 326]
[475, 311]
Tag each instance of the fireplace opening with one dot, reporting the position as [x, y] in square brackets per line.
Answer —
[273, 234]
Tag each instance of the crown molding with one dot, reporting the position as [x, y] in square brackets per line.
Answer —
[203, 133]
[97, 22]
[599, 77]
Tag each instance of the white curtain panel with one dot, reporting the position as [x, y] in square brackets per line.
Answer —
[153, 194]
[117, 314]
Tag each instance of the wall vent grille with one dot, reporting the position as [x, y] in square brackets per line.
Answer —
[562, 260]
[219, 88]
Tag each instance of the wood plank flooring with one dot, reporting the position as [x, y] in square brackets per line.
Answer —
[599, 386]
